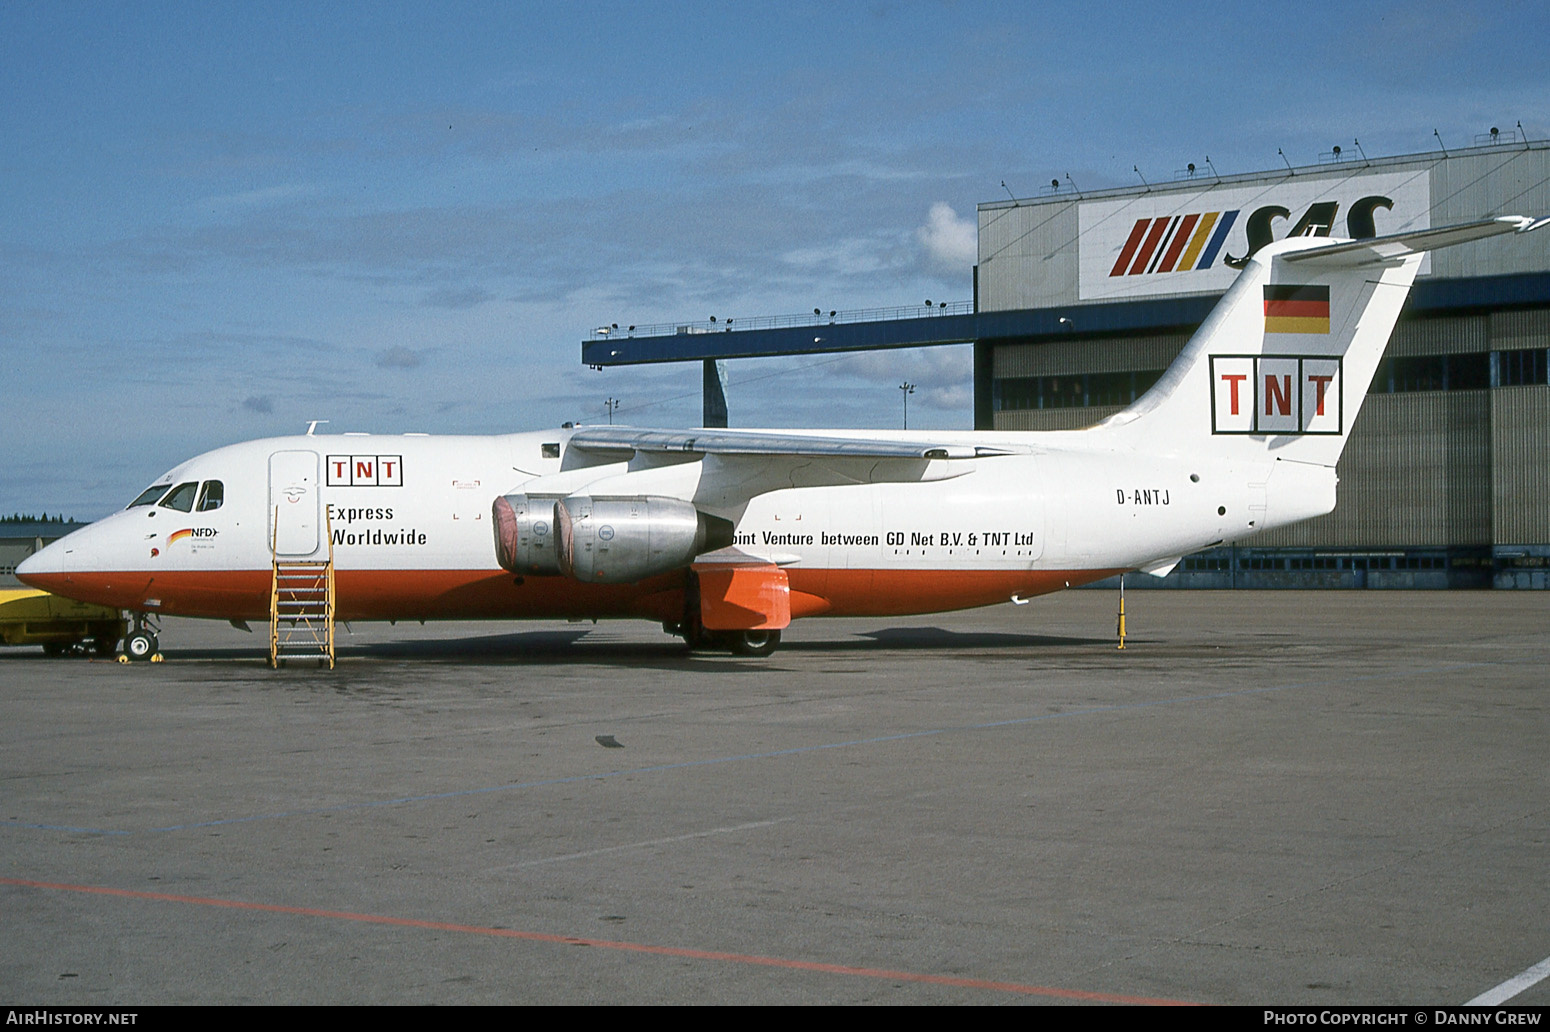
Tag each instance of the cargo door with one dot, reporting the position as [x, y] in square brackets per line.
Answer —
[294, 502]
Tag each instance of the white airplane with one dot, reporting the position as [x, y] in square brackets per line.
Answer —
[726, 536]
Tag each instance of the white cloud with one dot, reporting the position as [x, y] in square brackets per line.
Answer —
[851, 256]
[950, 241]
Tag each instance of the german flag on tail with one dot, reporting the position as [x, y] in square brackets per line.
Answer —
[1296, 309]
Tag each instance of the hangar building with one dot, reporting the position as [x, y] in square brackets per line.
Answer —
[1446, 479]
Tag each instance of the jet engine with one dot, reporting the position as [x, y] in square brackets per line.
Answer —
[603, 540]
[524, 534]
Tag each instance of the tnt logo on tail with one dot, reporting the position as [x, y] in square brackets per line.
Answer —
[1276, 394]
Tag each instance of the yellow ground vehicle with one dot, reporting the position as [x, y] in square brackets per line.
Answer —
[32, 617]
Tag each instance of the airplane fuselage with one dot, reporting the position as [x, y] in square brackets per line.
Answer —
[409, 522]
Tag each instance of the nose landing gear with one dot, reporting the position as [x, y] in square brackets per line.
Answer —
[142, 645]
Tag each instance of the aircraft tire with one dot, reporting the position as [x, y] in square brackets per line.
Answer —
[141, 646]
[696, 637]
[754, 643]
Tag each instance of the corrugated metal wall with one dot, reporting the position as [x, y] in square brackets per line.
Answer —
[1523, 328]
[1520, 440]
[1469, 186]
[1027, 256]
[1053, 419]
[1416, 472]
[1101, 355]
[1447, 335]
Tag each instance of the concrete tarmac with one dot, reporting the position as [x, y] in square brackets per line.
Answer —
[1267, 798]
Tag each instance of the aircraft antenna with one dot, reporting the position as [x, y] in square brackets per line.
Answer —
[312, 426]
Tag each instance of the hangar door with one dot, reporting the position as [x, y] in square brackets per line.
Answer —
[293, 502]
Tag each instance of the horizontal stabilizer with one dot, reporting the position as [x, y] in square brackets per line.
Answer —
[757, 442]
[1388, 248]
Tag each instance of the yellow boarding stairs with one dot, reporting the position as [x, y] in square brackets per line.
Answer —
[301, 606]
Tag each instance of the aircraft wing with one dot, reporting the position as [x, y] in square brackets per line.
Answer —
[1398, 245]
[721, 470]
[763, 442]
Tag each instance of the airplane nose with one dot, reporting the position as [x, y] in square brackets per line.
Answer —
[49, 561]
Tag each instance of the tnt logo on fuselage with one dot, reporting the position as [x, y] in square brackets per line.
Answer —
[1275, 394]
[365, 471]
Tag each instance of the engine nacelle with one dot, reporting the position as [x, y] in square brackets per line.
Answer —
[524, 534]
[621, 540]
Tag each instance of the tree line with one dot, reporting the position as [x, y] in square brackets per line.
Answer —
[17, 517]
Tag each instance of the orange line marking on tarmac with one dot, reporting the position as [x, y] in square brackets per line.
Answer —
[608, 944]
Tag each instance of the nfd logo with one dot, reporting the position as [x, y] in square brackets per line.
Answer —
[1275, 394]
[365, 471]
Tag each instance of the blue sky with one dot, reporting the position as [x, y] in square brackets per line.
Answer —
[221, 221]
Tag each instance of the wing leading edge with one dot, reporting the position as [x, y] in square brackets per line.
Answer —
[760, 442]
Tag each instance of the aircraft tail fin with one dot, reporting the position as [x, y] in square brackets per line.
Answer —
[1284, 361]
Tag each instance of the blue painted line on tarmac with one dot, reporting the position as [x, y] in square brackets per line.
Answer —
[747, 757]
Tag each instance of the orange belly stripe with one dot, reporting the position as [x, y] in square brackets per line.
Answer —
[498, 595]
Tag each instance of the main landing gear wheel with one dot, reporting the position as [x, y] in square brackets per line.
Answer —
[739, 643]
[694, 634]
[753, 643]
[141, 646]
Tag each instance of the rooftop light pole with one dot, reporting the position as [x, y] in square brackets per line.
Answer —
[908, 389]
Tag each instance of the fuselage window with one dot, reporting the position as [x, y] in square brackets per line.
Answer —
[212, 496]
[181, 498]
[148, 496]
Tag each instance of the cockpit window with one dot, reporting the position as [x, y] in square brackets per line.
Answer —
[148, 496]
[212, 496]
[181, 498]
